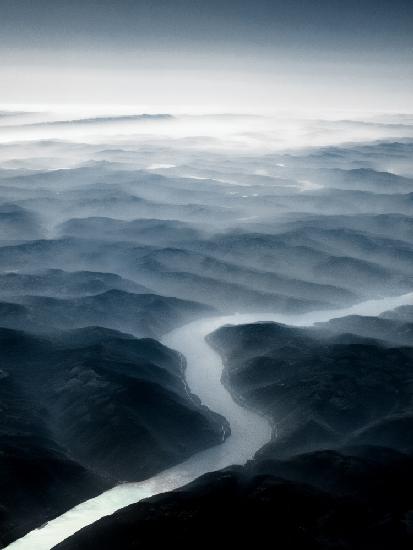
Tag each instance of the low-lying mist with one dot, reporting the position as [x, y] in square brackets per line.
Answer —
[126, 235]
[237, 212]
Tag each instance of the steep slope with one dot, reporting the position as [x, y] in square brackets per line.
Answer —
[321, 391]
[142, 314]
[357, 499]
[18, 223]
[84, 410]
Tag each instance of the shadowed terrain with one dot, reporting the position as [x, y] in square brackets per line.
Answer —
[338, 471]
[116, 230]
[84, 410]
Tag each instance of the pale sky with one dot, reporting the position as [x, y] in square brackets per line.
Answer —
[232, 55]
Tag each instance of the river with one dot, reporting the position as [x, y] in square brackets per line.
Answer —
[249, 431]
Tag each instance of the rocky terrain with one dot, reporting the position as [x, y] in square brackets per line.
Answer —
[116, 230]
[324, 387]
[338, 471]
[355, 499]
[83, 410]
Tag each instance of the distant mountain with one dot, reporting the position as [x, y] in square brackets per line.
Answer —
[173, 263]
[18, 223]
[402, 313]
[144, 230]
[349, 202]
[366, 179]
[223, 295]
[396, 331]
[357, 245]
[307, 259]
[140, 314]
[393, 226]
[97, 120]
[59, 283]
[368, 277]
[68, 254]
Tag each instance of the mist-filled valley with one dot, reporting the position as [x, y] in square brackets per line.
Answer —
[142, 256]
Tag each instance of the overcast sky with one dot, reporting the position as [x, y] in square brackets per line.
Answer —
[228, 54]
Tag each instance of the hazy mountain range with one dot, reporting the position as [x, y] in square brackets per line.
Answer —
[116, 230]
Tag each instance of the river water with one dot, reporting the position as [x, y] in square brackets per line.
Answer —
[249, 431]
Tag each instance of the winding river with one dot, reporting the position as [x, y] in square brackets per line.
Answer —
[249, 431]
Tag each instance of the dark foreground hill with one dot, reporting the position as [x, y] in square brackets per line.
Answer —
[356, 499]
[338, 473]
[321, 388]
[59, 283]
[85, 410]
